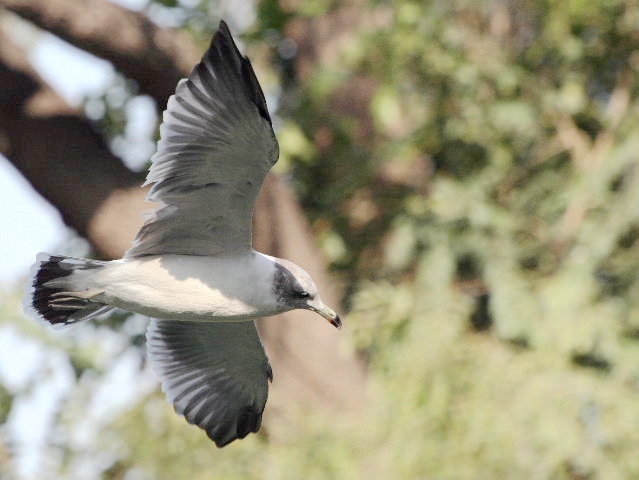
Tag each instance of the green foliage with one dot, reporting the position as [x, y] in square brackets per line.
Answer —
[499, 182]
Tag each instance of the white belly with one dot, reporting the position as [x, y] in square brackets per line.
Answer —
[184, 287]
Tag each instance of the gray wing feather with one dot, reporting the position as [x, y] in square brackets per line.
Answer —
[215, 374]
[216, 146]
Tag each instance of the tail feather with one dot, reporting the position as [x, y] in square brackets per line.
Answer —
[56, 296]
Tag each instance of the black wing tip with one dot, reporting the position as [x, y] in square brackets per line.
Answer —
[224, 37]
[224, 44]
[223, 29]
[248, 421]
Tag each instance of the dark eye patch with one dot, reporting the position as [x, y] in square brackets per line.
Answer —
[286, 287]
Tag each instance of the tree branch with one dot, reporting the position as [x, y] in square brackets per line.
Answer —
[154, 57]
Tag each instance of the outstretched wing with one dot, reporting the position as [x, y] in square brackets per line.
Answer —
[215, 374]
[216, 146]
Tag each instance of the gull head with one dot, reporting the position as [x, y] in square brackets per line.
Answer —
[295, 289]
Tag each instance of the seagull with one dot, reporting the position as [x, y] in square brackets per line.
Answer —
[192, 267]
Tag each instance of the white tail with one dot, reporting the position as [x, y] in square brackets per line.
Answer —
[56, 296]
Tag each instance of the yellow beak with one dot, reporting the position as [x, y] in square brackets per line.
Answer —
[328, 313]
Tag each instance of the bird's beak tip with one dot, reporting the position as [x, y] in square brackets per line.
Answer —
[330, 316]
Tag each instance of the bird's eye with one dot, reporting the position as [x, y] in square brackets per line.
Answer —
[301, 294]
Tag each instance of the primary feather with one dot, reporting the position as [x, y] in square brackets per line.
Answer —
[217, 144]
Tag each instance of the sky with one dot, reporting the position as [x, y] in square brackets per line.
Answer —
[31, 225]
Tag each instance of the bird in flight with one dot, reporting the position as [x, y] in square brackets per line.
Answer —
[192, 267]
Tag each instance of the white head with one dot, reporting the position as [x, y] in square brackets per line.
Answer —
[294, 288]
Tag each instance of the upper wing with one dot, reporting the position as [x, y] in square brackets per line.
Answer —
[215, 374]
[216, 146]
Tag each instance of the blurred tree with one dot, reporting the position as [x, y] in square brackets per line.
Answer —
[471, 171]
